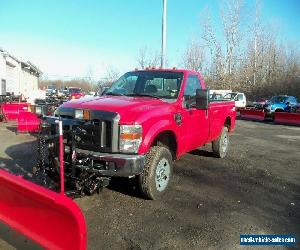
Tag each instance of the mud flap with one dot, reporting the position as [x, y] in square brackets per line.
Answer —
[252, 114]
[287, 118]
[50, 219]
[28, 122]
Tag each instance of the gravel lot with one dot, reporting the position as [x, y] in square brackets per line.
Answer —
[255, 190]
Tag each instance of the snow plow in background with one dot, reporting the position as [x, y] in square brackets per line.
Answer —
[28, 122]
[252, 114]
[10, 110]
[287, 118]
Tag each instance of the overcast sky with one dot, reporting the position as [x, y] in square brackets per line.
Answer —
[71, 38]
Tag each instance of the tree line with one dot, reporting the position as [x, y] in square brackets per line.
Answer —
[247, 55]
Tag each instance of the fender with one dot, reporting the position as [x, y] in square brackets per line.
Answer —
[154, 131]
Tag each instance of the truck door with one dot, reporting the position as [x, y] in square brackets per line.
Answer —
[240, 101]
[195, 125]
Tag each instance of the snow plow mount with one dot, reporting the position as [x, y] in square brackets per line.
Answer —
[81, 175]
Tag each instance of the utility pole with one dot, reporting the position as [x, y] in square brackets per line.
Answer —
[164, 35]
[257, 10]
[255, 62]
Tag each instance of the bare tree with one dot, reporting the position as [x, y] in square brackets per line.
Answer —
[142, 57]
[250, 60]
[111, 75]
[231, 17]
[146, 58]
[193, 57]
[216, 60]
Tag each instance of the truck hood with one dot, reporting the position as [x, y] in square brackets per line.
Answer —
[130, 109]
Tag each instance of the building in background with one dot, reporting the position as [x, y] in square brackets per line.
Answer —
[16, 76]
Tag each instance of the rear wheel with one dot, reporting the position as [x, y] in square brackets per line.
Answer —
[155, 178]
[220, 146]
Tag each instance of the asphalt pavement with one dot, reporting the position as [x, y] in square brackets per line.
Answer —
[255, 190]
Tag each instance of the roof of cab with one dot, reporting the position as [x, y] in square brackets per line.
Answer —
[167, 70]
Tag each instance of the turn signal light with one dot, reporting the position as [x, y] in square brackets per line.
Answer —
[133, 136]
[31, 108]
[86, 115]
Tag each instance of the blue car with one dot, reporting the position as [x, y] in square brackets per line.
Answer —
[281, 103]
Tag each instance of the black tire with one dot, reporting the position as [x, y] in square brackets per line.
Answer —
[153, 186]
[219, 146]
[279, 110]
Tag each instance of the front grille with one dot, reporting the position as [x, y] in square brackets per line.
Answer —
[100, 134]
[95, 136]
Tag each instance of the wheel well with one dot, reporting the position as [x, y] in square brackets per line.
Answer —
[227, 122]
[167, 139]
[279, 110]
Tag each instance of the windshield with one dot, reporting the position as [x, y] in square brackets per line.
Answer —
[230, 96]
[74, 90]
[278, 99]
[156, 84]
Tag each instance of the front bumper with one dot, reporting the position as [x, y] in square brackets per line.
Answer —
[121, 165]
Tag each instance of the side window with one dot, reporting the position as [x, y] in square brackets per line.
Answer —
[240, 97]
[293, 100]
[192, 84]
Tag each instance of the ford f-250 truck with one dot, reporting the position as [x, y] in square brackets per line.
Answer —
[145, 121]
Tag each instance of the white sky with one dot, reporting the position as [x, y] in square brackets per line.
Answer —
[66, 60]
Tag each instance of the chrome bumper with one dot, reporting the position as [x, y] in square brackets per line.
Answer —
[122, 165]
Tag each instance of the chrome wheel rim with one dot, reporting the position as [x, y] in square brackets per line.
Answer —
[162, 174]
[225, 143]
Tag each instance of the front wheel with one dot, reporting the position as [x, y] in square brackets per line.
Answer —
[155, 178]
[220, 146]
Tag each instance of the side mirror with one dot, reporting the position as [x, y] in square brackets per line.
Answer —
[202, 98]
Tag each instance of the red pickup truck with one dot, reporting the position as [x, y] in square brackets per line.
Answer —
[75, 93]
[139, 127]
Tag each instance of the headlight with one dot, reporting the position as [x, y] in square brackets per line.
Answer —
[130, 138]
[79, 114]
[38, 110]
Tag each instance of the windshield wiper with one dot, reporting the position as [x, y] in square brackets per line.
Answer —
[145, 95]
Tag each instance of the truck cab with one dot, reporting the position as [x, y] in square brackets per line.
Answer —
[238, 98]
[143, 122]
